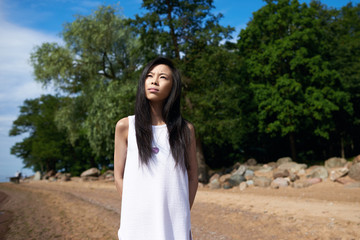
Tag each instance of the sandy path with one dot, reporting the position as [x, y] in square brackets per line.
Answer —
[90, 210]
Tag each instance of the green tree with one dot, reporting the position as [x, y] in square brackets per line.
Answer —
[45, 148]
[286, 46]
[190, 34]
[345, 53]
[97, 71]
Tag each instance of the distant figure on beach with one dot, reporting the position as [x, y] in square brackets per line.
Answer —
[155, 160]
[18, 174]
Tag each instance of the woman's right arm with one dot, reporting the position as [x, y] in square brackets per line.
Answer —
[120, 150]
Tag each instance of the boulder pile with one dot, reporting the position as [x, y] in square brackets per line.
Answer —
[286, 173]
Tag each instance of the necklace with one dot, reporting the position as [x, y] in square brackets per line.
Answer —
[155, 150]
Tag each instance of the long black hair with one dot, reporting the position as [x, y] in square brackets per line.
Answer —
[179, 133]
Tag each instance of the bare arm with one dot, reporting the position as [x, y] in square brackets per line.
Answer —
[193, 167]
[120, 150]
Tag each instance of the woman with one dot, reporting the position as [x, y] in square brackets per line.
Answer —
[155, 160]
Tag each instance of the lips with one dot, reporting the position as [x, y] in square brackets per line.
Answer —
[153, 90]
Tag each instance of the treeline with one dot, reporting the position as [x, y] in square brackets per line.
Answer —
[289, 85]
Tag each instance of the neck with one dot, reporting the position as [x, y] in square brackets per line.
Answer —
[156, 113]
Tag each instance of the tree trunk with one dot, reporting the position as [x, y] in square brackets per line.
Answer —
[202, 167]
[172, 31]
[292, 146]
[342, 146]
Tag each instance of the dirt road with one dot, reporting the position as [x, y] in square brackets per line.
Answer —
[90, 210]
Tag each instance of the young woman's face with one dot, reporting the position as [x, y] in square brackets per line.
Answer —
[158, 83]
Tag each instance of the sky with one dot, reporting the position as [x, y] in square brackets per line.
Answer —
[25, 24]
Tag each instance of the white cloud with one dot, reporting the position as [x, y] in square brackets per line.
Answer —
[16, 81]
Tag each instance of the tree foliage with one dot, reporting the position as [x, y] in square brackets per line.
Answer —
[292, 77]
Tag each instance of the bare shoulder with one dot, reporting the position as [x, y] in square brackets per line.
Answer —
[122, 126]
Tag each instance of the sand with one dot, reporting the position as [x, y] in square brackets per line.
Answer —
[91, 210]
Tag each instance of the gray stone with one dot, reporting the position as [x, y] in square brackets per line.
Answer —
[249, 174]
[283, 160]
[335, 162]
[338, 173]
[318, 172]
[215, 184]
[92, 172]
[292, 167]
[261, 181]
[280, 182]
[37, 176]
[224, 177]
[249, 182]
[236, 179]
[240, 171]
[227, 185]
[354, 171]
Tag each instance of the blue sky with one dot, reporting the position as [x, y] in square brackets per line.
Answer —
[25, 24]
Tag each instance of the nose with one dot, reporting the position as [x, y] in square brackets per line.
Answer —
[155, 81]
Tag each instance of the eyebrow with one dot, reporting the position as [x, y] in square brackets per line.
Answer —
[160, 73]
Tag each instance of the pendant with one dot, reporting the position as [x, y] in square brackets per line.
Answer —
[155, 150]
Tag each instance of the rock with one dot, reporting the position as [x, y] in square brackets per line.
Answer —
[249, 182]
[227, 185]
[280, 173]
[283, 160]
[318, 172]
[335, 162]
[49, 174]
[242, 186]
[215, 184]
[293, 177]
[58, 175]
[301, 184]
[345, 180]
[337, 173]
[280, 182]
[356, 159]
[306, 183]
[292, 167]
[90, 178]
[251, 162]
[261, 181]
[37, 176]
[224, 177]
[215, 176]
[240, 171]
[301, 172]
[236, 179]
[52, 179]
[249, 174]
[354, 171]
[272, 164]
[265, 169]
[92, 172]
[107, 175]
[313, 181]
[66, 177]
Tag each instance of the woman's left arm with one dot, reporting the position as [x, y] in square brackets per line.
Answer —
[193, 167]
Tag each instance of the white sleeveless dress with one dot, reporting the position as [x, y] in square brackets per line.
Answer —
[155, 199]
